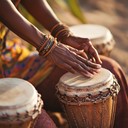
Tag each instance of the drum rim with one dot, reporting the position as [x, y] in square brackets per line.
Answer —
[97, 85]
[22, 113]
[102, 39]
[105, 91]
[26, 84]
[88, 99]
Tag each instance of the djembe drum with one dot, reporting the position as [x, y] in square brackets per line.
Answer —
[20, 104]
[89, 102]
[100, 36]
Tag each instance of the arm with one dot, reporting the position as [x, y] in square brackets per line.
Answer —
[41, 10]
[10, 16]
[60, 55]
[45, 15]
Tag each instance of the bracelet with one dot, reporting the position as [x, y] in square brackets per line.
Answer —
[58, 27]
[42, 43]
[61, 35]
[47, 47]
[55, 27]
[60, 31]
[50, 50]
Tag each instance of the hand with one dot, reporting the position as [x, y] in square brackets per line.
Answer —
[69, 60]
[83, 44]
[78, 52]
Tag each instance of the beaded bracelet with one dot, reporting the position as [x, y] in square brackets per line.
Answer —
[47, 47]
[51, 48]
[60, 31]
[42, 43]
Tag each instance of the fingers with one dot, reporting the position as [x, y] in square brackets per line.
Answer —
[72, 62]
[81, 65]
[67, 67]
[93, 53]
[82, 53]
[91, 67]
[73, 68]
[61, 64]
[86, 45]
[81, 68]
[88, 63]
[79, 52]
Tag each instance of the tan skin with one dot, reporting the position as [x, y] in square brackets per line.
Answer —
[72, 62]
[43, 11]
[64, 57]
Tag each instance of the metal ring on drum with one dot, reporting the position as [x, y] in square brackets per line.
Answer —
[89, 102]
[100, 36]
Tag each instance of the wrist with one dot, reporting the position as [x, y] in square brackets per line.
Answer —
[47, 45]
[60, 31]
[42, 42]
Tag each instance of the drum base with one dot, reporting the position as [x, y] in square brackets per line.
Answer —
[98, 115]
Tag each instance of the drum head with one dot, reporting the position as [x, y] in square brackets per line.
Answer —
[96, 33]
[72, 84]
[16, 92]
[19, 101]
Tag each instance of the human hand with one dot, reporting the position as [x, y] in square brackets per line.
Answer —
[69, 60]
[83, 44]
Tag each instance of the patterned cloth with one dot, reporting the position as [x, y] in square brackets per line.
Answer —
[20, 62]
[17, 61]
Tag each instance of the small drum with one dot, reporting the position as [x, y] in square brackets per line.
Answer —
[100, 36]
[20, 104]
[89, 102]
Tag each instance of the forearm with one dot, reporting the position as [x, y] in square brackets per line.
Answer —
[10, 16]
[42, 12]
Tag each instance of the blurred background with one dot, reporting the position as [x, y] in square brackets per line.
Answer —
[112, 14]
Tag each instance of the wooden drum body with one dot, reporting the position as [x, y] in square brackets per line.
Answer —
[20, 104]
[100, 36]
[89, 102]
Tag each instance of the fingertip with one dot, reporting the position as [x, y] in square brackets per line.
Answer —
[100, 61]
[72, 71]
[88, 75]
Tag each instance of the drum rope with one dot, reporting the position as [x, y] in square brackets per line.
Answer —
[112, 114]
[75, 121]
[84, 120]
[113, 90]
[113, 111]
[19, 117]
[102, 118]
[64, 108]
[88, 98]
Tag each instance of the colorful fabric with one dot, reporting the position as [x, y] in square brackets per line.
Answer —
[20, 62]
